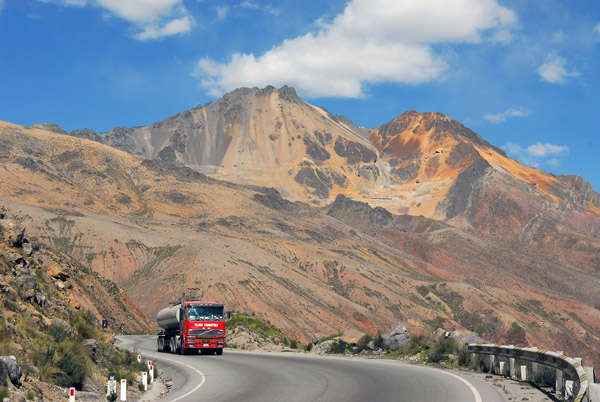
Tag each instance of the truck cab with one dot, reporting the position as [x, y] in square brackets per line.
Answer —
[192, 326]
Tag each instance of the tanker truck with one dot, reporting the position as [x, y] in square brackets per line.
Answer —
[191, 327]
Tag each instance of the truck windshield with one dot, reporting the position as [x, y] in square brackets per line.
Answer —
[204, 313]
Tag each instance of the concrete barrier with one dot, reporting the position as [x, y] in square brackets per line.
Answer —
[594, 393]
[569, 366]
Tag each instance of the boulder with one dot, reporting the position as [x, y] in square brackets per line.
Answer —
[397, 339]
[18, 398]
[352, 336]
[324, 347]
[93, 348]
[436, 336]
[27, 286]
[12, 232]
[13, 369]
[462, 336]
[56, 270]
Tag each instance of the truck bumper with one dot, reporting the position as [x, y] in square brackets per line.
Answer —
[204, 343]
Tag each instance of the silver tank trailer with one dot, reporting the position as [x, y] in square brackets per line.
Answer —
[170, 317]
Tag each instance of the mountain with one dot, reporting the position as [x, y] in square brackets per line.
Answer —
[439, 229]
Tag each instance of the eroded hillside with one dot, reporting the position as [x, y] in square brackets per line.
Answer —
[158, 229]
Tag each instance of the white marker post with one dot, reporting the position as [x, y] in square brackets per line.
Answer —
[151, 374]
[145, 380]
[123, 390]
[71, 394]
[149, 364]
[139, 358]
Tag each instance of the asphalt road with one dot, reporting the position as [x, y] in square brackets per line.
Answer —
[265, 377]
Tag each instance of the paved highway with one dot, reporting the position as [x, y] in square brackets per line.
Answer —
[264, 377]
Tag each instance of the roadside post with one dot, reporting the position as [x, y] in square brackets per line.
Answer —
[111, 386]
[151, 374]
[123, 390]
[71, 394]
[145, 380]
[139, 358]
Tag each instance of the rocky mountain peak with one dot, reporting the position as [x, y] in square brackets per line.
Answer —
[52, 127]
[414, 132]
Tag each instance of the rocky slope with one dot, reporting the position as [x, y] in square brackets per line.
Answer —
[159, 229]
[50, 319]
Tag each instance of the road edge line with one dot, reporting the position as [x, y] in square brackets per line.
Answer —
[191, 367]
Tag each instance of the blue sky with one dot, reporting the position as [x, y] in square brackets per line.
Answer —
[524, 74]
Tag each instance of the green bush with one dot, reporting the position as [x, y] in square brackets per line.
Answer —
[338, 347]
[73, 360]
[83, 324]
[464, 357]
[363, 343]
[30, 395]
[442, 348]
[58, 332]
[294, 344]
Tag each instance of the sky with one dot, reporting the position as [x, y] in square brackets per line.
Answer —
[523, 74]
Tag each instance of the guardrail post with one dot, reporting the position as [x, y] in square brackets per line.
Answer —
[523, 373]
[513, 368]
[502, 371]
[560, 383]
[492, 363]
[591, 373]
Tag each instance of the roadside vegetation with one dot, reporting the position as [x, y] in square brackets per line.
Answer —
[260, 328]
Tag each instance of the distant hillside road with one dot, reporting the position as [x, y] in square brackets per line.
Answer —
[275, 377]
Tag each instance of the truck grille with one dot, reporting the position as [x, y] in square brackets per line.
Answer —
[206, 332]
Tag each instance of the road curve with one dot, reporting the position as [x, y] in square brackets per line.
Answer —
[264, 377]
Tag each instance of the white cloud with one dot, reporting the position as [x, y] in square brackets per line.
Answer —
[178, 26]
[255, 6]
[540, 150]
[555, 70]
[222, 12]
[502, 117]
[76, 3]
[597, 29]
[537, 154]
[371, 41]
[153, 18]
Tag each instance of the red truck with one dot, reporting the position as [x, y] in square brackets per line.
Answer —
[192, 326]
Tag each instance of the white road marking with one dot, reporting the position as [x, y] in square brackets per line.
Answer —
[476, 393]
[193, 368]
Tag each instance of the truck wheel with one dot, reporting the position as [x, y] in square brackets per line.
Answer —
[219, 351]
[173, 345]
[160, 347]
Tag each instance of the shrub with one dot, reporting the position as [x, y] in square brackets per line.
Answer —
[338, 347]
[83, 324]
[363, 343]
[74, 362]
[294, 344]
[464, 357]
[58, 332]
[30, 395]
[441, 349]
